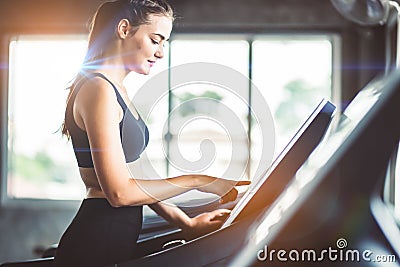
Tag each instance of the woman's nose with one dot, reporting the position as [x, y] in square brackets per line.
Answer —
[160, 52]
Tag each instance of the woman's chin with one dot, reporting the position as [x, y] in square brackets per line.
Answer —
[141, 71]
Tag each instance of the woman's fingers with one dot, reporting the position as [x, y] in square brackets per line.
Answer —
[215, 214]
[243, 183]
[233, 193]
[230, 196]
[219, 215]
[225, 188]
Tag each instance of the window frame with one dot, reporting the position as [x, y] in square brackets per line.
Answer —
[5, 50]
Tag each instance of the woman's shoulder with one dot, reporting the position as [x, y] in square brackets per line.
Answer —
[95, 94]
[96, 88]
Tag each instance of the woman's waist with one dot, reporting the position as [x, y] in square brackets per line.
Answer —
[94, 192]
[89, 178]
[95, 209]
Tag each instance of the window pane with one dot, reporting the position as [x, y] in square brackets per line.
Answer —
[211, 104]
[231, 53]
[41, 163]
[208, 120]
[293, 74]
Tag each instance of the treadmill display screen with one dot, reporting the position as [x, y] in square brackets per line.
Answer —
[264, 190]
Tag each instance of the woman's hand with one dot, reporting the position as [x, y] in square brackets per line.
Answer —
[221, 187]
[208, 221]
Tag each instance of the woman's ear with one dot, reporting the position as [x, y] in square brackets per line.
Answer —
[123, 28]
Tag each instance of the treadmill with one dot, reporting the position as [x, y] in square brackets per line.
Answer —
[337, 203]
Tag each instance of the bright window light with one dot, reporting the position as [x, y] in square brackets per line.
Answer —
[41, 163]
[293, 74]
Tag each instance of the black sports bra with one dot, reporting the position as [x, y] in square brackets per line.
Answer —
[133, 132]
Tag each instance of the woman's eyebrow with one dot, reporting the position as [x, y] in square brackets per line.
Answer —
[161, 36]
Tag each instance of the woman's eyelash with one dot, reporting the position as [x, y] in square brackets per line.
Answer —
[155, 42]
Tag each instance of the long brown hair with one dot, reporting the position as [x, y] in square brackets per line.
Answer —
[103, 27]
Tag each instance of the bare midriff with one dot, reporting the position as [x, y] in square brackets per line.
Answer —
[93, 188]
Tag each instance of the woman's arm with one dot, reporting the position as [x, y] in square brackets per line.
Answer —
[174, 215]
[98, 113]
[201, 224]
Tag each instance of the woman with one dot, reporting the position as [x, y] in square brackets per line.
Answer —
[125, 36]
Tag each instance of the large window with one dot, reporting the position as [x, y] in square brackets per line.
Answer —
[40, 162]
[292, 73]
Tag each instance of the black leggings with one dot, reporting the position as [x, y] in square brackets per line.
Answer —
[99, 235]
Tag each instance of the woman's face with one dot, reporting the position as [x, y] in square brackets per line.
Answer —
[142, 49]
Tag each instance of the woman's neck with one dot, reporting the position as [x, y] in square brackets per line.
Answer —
[115, 76]
[113, 68]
